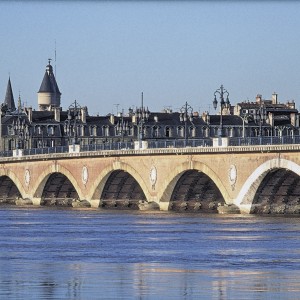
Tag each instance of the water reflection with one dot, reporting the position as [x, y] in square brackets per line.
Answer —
[145, 281]
[66, 254]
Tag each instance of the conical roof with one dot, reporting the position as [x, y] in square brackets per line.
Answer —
[49, 84]
[9, 97]
[46, 86]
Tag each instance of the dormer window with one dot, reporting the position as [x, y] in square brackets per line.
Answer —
[168, 131]
[105, 130]
[50, 130]
[180, 131]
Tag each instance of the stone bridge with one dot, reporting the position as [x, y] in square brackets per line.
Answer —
[248, 179]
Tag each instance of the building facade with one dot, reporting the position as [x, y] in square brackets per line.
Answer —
[51, 126]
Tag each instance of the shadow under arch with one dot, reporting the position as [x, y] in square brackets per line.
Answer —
[11, 178]
[49, 174]
[251, 186]
[102, 179]
[202, 169]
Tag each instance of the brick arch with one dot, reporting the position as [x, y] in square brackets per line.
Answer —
[44, 176]
[172, 179]
[15, 179]
[100, 181]
[250, 187]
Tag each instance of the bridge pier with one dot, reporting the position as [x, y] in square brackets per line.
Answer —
[36, 201]
[95, 203]
[164, 206]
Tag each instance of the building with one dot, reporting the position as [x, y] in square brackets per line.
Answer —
[50, 126]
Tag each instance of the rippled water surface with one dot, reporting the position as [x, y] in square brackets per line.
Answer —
[94, 254]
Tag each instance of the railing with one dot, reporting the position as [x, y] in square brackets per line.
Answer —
[108, 146]
[264, 140]
[164, 143]
[49, 150]
[180, 143]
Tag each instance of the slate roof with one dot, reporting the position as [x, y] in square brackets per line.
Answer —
[9, 97]
[49, 84]
[46, 86]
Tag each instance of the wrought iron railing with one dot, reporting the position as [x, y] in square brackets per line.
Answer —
[264, 140]
[163, 143]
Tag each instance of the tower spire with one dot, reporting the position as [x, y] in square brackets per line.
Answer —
[9, 97]
[19, 102]
[49, 94]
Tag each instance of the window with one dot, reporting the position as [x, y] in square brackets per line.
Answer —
[93, 130]
[168, 132]
[10, 130]
[130, 130]
[105, 130]
[50, 130]
[82, 130]
[39, 130]
[180, 131]
[155, 131]
[192, 131]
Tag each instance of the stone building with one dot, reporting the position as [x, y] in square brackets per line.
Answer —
[51, 126]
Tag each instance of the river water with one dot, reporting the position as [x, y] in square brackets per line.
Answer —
[50, 253]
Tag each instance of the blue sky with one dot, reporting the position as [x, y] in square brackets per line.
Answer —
[107, 53]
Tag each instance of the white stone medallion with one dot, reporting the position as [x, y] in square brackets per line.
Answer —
[153, 176]
[27, 177]
[84, 175]
[232, 175]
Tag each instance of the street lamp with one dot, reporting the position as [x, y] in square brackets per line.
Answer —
[261, 117]
[71, 122]
[142, 114]
[223, 104]
[20, 130]
[245, 118]
[186, 113]
[122, 126]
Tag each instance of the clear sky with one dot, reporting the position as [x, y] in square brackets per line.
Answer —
[107, 53]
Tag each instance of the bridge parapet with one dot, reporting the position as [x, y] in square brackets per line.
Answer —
[159, 151]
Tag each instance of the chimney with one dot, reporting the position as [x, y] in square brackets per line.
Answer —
[291, 104]
[274, 98]
[258, 98]
[112, 119]
[29, 113]
[293, 119]
[205, 116]
[271, 119]
[83, 114]
[57, 114]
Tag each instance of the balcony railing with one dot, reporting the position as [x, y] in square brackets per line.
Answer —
[163, 143]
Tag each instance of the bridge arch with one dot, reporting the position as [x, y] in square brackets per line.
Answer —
[39, 187]
[13, 180]
[254, 181]
[103, 177]
[180, 170]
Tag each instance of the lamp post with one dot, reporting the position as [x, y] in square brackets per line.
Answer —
[142, 114]
[71, 122]
[245, 118]
[221, 92]
[122, 126]
[186, 113]
[261, 118]
[20, 128]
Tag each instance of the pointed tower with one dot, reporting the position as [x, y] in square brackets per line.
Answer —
[49, 94]
[9, 97]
